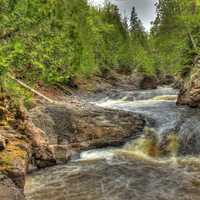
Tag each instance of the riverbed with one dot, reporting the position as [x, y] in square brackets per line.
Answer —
[163, 164]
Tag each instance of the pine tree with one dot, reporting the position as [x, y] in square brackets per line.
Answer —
[133, 20]
[137, 29]
[175, 33]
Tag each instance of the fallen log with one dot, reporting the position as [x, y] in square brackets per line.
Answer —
[31, 89]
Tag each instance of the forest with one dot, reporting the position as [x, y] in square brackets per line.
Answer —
[95, 107]
[53, 41]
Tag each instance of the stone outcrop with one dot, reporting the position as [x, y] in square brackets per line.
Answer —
[41, 153]
[190, 95]
[115, 81]
[50, 134]
[190, 91]
[14, 157]
[166, 80]
[71, 129]
[20, 142]
[148, 82]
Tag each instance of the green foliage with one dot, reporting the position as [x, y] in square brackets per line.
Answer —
[141, 53]
[16, 92]
[175, 34]
[53, 40]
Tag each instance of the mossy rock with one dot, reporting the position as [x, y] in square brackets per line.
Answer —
[14, 155]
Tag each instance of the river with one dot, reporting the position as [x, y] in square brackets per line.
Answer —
[163, 164]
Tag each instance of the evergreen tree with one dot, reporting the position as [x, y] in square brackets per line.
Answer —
[175, 33]
[55, 41]
[137, 29]
[134, 20]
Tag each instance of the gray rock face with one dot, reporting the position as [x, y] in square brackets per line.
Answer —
[8, 190]
[119, 179]
[86, 127]
[190, 136]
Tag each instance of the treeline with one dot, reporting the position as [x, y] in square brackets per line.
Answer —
[175, 37]
[54, 41]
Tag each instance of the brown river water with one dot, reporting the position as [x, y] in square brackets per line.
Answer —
[141, 169]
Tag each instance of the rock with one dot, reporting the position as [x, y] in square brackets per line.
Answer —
[167, 80]
[86, 126]
[15, 157]
[8, 190]
[190, 91]
[177, 84]
[196, 61]
[189, 134]
[43, 156]
[148, 82]
[122, 178]
[62, 153]
[183, 97]
[2, 143]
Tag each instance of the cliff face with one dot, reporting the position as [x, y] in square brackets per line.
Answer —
[190, 91]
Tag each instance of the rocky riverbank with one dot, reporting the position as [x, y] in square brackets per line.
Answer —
[190, 91]
[50, 134]
[162, 164]
[116, 80]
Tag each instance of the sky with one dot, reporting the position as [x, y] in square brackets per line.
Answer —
[145, 9]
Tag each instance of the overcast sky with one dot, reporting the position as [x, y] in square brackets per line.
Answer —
[145, 8]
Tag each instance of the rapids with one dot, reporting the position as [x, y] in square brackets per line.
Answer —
[131, 172]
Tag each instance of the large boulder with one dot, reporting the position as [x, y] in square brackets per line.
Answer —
[148, 82]
[20, 144]
[166, 79]
[84, 127]
[41, 153]
[189, 133]
[8, 190]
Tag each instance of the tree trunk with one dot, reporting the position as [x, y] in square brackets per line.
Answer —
[31, 89]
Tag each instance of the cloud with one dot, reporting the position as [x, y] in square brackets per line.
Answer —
[145, 9]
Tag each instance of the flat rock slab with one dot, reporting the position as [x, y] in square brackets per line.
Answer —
[86, 126]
